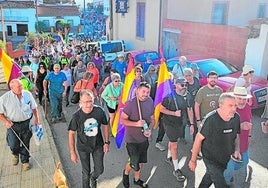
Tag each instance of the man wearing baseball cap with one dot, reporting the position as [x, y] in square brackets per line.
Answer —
[245, 79]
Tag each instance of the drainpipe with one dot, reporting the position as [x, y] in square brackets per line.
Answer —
[111, 20]
[3, 26]
[160, 25]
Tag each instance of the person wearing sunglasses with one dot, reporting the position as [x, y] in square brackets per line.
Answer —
[111, 95]
[176, 110]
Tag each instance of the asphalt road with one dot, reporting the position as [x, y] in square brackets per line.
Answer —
[254, 176]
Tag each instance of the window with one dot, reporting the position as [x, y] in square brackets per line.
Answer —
[9, 30]
[140, 21]
[22, 29]
[262, 11]
[220, 13]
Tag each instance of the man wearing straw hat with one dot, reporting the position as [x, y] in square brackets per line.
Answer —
[138, 117]
[17, 107]
[244, 111]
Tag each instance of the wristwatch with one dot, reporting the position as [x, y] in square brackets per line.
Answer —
[107, 142]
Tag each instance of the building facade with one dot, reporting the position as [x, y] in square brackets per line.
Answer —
[183, 27]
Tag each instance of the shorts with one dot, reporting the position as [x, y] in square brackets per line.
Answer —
[137, 154]
[174, 132]
[110, 110]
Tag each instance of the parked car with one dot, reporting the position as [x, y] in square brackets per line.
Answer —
[141, 56]
[228, 74]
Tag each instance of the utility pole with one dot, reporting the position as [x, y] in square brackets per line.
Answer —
[111, 21]
[3, 26]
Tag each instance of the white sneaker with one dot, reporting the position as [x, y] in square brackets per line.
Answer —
[160, 147]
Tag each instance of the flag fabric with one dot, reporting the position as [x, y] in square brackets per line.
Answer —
[61, 36]
[118, 129]
[164, 88]
[10, 69]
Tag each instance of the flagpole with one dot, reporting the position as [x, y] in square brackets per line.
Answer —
[3, 26]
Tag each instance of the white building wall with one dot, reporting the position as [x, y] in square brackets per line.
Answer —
[125, 25]
[257, 52]
[240, 12]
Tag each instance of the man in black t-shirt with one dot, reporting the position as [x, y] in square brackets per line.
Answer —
[176, 109]
[218, 139]
[86, 122]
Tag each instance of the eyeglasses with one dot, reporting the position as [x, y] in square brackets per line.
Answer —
[183, 85]
[152, 70]
[117, 80]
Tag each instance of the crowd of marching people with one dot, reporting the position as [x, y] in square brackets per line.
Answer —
[64, 74]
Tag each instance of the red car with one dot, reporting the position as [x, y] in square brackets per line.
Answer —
[228, 74]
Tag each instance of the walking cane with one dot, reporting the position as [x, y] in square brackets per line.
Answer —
[45, 107]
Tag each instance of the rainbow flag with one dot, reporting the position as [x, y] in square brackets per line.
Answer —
[10, 69]
[118, 129]
[164, 88]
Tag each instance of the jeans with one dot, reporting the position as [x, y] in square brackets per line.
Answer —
[214, 174]
[56, 104]
[97, 156]
[23, 131]
[233, 165]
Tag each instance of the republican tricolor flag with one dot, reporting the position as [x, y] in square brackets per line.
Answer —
[164, 88]
[10, 69]
[118, 129]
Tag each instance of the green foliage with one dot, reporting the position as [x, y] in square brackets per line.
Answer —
[2, 45]
[62, 24]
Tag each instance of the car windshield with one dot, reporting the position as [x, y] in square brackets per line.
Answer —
[142, 57]
[112, 47]
[220, 67]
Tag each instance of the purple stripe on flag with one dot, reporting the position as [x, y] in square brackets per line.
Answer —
[164, 89]
[15, 72]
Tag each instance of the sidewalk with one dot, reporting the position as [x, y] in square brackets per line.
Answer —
[45, 154]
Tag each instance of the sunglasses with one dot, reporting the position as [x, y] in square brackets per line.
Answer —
[152, 70]
[183, 85]
[138, 71]
[117, 80]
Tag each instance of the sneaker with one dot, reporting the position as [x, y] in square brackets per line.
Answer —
[169, 161]
[199, 156]
[15, 160]
[25, 166]
[178, 174]
[140, 183]
[93, 182]
[159, 146]
[125, 180]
